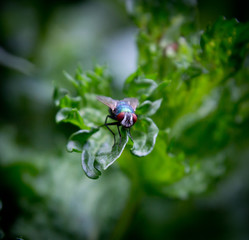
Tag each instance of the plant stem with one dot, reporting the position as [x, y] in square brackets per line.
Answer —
[129, 210]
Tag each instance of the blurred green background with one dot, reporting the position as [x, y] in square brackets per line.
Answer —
[44, 194]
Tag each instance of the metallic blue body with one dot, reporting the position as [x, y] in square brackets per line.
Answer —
[123, 107]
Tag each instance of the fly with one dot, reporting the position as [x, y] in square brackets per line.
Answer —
[123, 111]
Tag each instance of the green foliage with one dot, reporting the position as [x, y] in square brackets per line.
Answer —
[225, 45]
[196, 108]
[201, 83]
[86, 113]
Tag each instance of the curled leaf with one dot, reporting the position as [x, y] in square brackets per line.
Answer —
[148, 108]
[105, 159]
[70, 115]
[144, 137]
[87, 160]
[78, 139]
[135, 85]
[96, 157]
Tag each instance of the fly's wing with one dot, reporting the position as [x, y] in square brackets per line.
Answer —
[111, 103]
[131, 101]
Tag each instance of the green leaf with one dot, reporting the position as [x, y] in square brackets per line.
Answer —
[191, 72]
[78, 139]
[69, 115]
[84, 111]
[64, 100]
[105, 159]
[87, 160]
[96, 81]
[58, 94]
[96, 157]
[225, 44]
[137, 85]
[67, 101]
[144, 137]
[148, 108]
[71, 79]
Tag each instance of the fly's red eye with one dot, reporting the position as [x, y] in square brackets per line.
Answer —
[120, 116]
[134, 117]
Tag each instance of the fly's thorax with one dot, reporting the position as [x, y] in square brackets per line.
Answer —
[123, 107]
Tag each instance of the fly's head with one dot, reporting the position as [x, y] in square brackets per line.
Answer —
[127, 119]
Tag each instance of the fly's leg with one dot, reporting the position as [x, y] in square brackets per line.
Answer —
[129, 133]
[106, 124]
[120, 137]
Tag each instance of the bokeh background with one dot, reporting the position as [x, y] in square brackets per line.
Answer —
[44, 194]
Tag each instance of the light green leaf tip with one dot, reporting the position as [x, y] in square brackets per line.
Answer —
[70, 115]
[94, 161]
